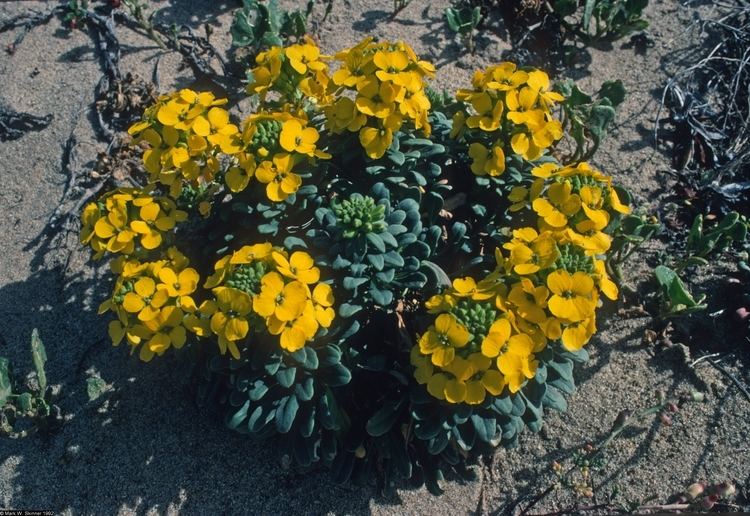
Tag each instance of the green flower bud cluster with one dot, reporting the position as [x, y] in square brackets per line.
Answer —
[126, 287]
[476, 317]
[579, 182]
[573, 259]
[246, 277]
[266, 135]
[359, 214]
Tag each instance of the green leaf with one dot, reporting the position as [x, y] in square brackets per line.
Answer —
[588, 10]
[239, 416]
[485, 427]
[305, 389]
[384, 419]
[25, 402]
[347, 310]
[5, 386]
[285, 413]
[39, 356]
[95, 387]
[376, 241]
[451, 16]
[339, 375]
[381, 297]
[554, 399]
[257, 390]
[286, 376]
[677, 294]
[350, 283]
[614, 91]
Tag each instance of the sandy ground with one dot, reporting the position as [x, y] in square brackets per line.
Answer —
[144, 447]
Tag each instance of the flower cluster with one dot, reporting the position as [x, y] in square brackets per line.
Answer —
[151, 301]
[275, 145]
[183, 133]
[262, 288]
[377, 87]
[477, 344]
[296, 72]
[507, 109]
[127, 219]
[387, 83]
[545, 289]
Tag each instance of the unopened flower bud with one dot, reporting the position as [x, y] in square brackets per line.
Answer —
[698, 396]
[671, 407]
[360, 452]
[660, 396]
[741, 314]
[665, 419]
[695, 490]
[709, 501]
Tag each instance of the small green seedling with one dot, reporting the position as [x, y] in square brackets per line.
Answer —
[601, 19]
[588, 118]
[701, 242]
[676, 298]
[34, 404]
[464, 22]
[264, 24]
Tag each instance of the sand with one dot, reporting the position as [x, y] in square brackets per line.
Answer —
[144, 446]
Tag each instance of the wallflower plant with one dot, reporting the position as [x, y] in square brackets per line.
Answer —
[392, 279]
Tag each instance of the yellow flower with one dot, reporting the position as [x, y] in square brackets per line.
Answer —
[229, 317]
[391, 65]
[530, 300]
[561, 205]
[572, 297]
[485, 161]
[284, 301]
[522, 107]
[180, 284]
[343, 114]
[440, 303]
[378, 99]
[296, 138]
[606, 285]
[545, 170]
[166, 330]
[145, 299]
[517, 363]
[592, 202]
[322, 296]
[504, 77]
[304, 56]
[539, 82]
[488, 114]
[441, 340]
[280, 181]
[299, 266]
[467, 287]
[496, 338]
[530, 252]
[375, 141]
[238, 176]
[575, 335]
[521, 197]
[294, 333]
[153, 222]
[463, 387]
